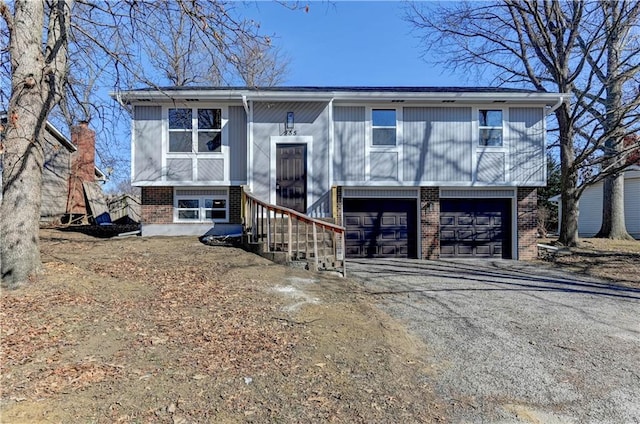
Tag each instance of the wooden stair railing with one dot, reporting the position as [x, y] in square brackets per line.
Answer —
[298, 235]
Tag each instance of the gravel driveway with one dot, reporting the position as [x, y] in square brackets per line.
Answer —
[516, 342]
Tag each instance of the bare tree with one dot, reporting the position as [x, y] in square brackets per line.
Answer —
[542, 44]
[173, 44]
[59, 52]
[262, 68]
[38, 65]
[610, 50]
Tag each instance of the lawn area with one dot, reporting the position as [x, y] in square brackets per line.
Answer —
[168, 330]
[612, 260]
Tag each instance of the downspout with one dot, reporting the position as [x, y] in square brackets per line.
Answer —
[245, 104]
[332, 187]
[248, 112]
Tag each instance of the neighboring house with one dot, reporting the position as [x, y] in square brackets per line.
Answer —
[69, 171]
[69, 166]
[590, 206]
[410, 172]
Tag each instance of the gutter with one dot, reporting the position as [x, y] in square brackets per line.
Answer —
[556, 106]
[117, 96]
[243, 96]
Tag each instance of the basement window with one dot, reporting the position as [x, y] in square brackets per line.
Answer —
[201, 207]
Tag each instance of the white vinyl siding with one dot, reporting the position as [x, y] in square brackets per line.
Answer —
[146, 149]
[436, 144]
[526, 134]
[590, 207]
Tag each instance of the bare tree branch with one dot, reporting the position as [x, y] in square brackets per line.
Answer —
[588, 49]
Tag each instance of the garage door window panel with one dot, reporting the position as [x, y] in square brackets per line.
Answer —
[483, 220]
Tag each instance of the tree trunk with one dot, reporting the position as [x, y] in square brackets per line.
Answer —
[20, 209]
[613, 217]
[613, 220]
[29, 106]
[568, 180]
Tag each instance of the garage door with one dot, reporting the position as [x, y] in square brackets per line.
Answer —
[475, 228]
[380, 228]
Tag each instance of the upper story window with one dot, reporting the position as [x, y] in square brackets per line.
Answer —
[195, 130]
[383, 124]
[490, 126]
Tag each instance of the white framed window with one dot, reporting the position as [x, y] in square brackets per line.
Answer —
[384, 127]
[490, 126]
[197, 130]
[201, 205]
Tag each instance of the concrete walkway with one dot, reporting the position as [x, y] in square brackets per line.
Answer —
[514, 342]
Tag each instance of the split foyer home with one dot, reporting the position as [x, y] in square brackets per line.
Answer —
[418, 172]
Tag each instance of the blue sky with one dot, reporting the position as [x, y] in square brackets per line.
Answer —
[349, 43]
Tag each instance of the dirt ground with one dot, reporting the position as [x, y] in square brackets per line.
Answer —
[617, 261]
[168, 330]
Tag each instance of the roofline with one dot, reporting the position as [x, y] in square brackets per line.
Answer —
[389, 94]
[100, 175]
[60, 137]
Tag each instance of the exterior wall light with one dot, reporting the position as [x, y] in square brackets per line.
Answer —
[290, 122]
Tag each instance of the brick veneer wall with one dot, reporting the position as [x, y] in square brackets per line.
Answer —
[339, 203]
[527, 223]
[430, 222]
[235, 205]
[82, 167]
[157, 205]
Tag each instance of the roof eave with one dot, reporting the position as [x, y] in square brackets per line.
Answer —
[548, 99]
[60, 137]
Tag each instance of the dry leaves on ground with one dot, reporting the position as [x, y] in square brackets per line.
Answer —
[170, 330]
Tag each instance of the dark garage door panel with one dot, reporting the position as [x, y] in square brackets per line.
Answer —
[380, 227]
[475, 227]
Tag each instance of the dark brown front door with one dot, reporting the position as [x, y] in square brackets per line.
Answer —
[291, 176]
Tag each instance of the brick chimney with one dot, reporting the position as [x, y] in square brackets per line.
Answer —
[82, 166]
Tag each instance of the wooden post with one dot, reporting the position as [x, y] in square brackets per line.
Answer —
[290, 235]
[268, 231]
[282, 231]
[315, 245]
[344, 260]
[324, 242]
[261, 218]
[297, 238]
[306, 240]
